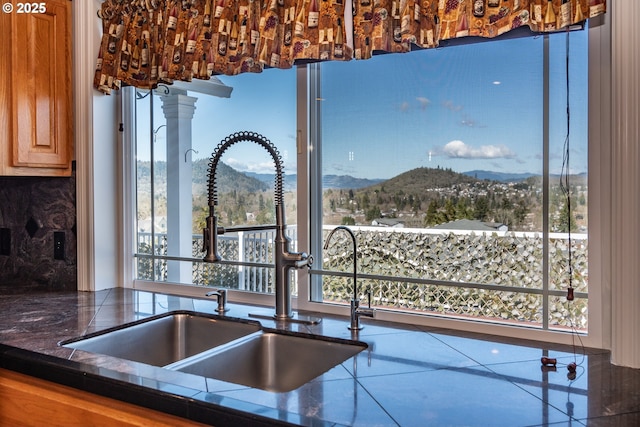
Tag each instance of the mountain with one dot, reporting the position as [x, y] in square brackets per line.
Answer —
[228, 179]
[290, 181]
[328, 181]
[576, 179]
[418, 180]
[347, 181]
[499, 176]
[413, 181]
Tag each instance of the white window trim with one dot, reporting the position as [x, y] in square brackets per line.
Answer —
[94, 108]
[599, 181]
[98, 189]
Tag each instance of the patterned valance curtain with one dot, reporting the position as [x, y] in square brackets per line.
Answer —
[146, 42]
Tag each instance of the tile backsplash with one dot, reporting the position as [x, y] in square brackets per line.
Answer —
[38, 234]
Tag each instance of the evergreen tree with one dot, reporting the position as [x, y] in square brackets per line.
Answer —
[416, 206]
[481, 208]
[348, 220]
[432, 217]
[449, 211]
[566, 221]
[462, 211]
[373, 213]
[520, 212]
[364, 201]
[582, 200]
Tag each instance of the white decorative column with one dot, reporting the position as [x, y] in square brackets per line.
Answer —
[178, 110]
[625, 182]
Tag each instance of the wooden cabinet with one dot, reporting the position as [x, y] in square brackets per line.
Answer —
[36, 111]
[29, 401]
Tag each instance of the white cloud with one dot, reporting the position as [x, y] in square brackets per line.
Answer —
[257, 167]
[449, 105]
[424, 102]
[458, 149]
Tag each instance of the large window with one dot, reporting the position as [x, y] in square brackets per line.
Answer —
[445, 163]
[177, 130]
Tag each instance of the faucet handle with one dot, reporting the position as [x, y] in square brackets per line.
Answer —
[369, 312]
[305, 261]
[210, 239]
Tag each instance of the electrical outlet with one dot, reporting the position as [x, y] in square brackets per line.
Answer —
[58, 245]
[5, 241]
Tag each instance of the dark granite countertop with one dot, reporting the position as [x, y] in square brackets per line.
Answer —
[408, 376]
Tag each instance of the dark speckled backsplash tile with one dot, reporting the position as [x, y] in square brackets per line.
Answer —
[32, 209]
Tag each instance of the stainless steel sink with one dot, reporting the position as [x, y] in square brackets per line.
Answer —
[233, 350]
[272, 361]
[165, 339]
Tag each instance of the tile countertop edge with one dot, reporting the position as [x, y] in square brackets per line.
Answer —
[80, 376]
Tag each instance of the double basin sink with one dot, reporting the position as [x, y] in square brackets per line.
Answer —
[233, 350]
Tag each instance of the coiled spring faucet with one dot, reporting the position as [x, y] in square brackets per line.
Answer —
[285, 260]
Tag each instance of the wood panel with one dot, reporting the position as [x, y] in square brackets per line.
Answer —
[37, 63]
[32, 402]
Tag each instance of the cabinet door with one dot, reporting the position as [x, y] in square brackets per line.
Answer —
[29, 401]
[40, 91]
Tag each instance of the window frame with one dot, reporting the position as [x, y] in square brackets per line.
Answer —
[309, 210]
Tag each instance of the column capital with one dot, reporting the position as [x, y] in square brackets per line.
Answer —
[178, 105]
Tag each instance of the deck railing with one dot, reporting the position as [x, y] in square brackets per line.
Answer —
[493, 275]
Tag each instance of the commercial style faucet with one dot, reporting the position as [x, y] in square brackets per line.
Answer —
[356, 310]
[285, 259]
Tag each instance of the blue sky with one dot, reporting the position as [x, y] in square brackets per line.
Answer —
[262, 103]
[467, 107]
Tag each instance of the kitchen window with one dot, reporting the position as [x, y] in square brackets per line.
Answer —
[176, 131]
[447, 164]
[419, 153]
